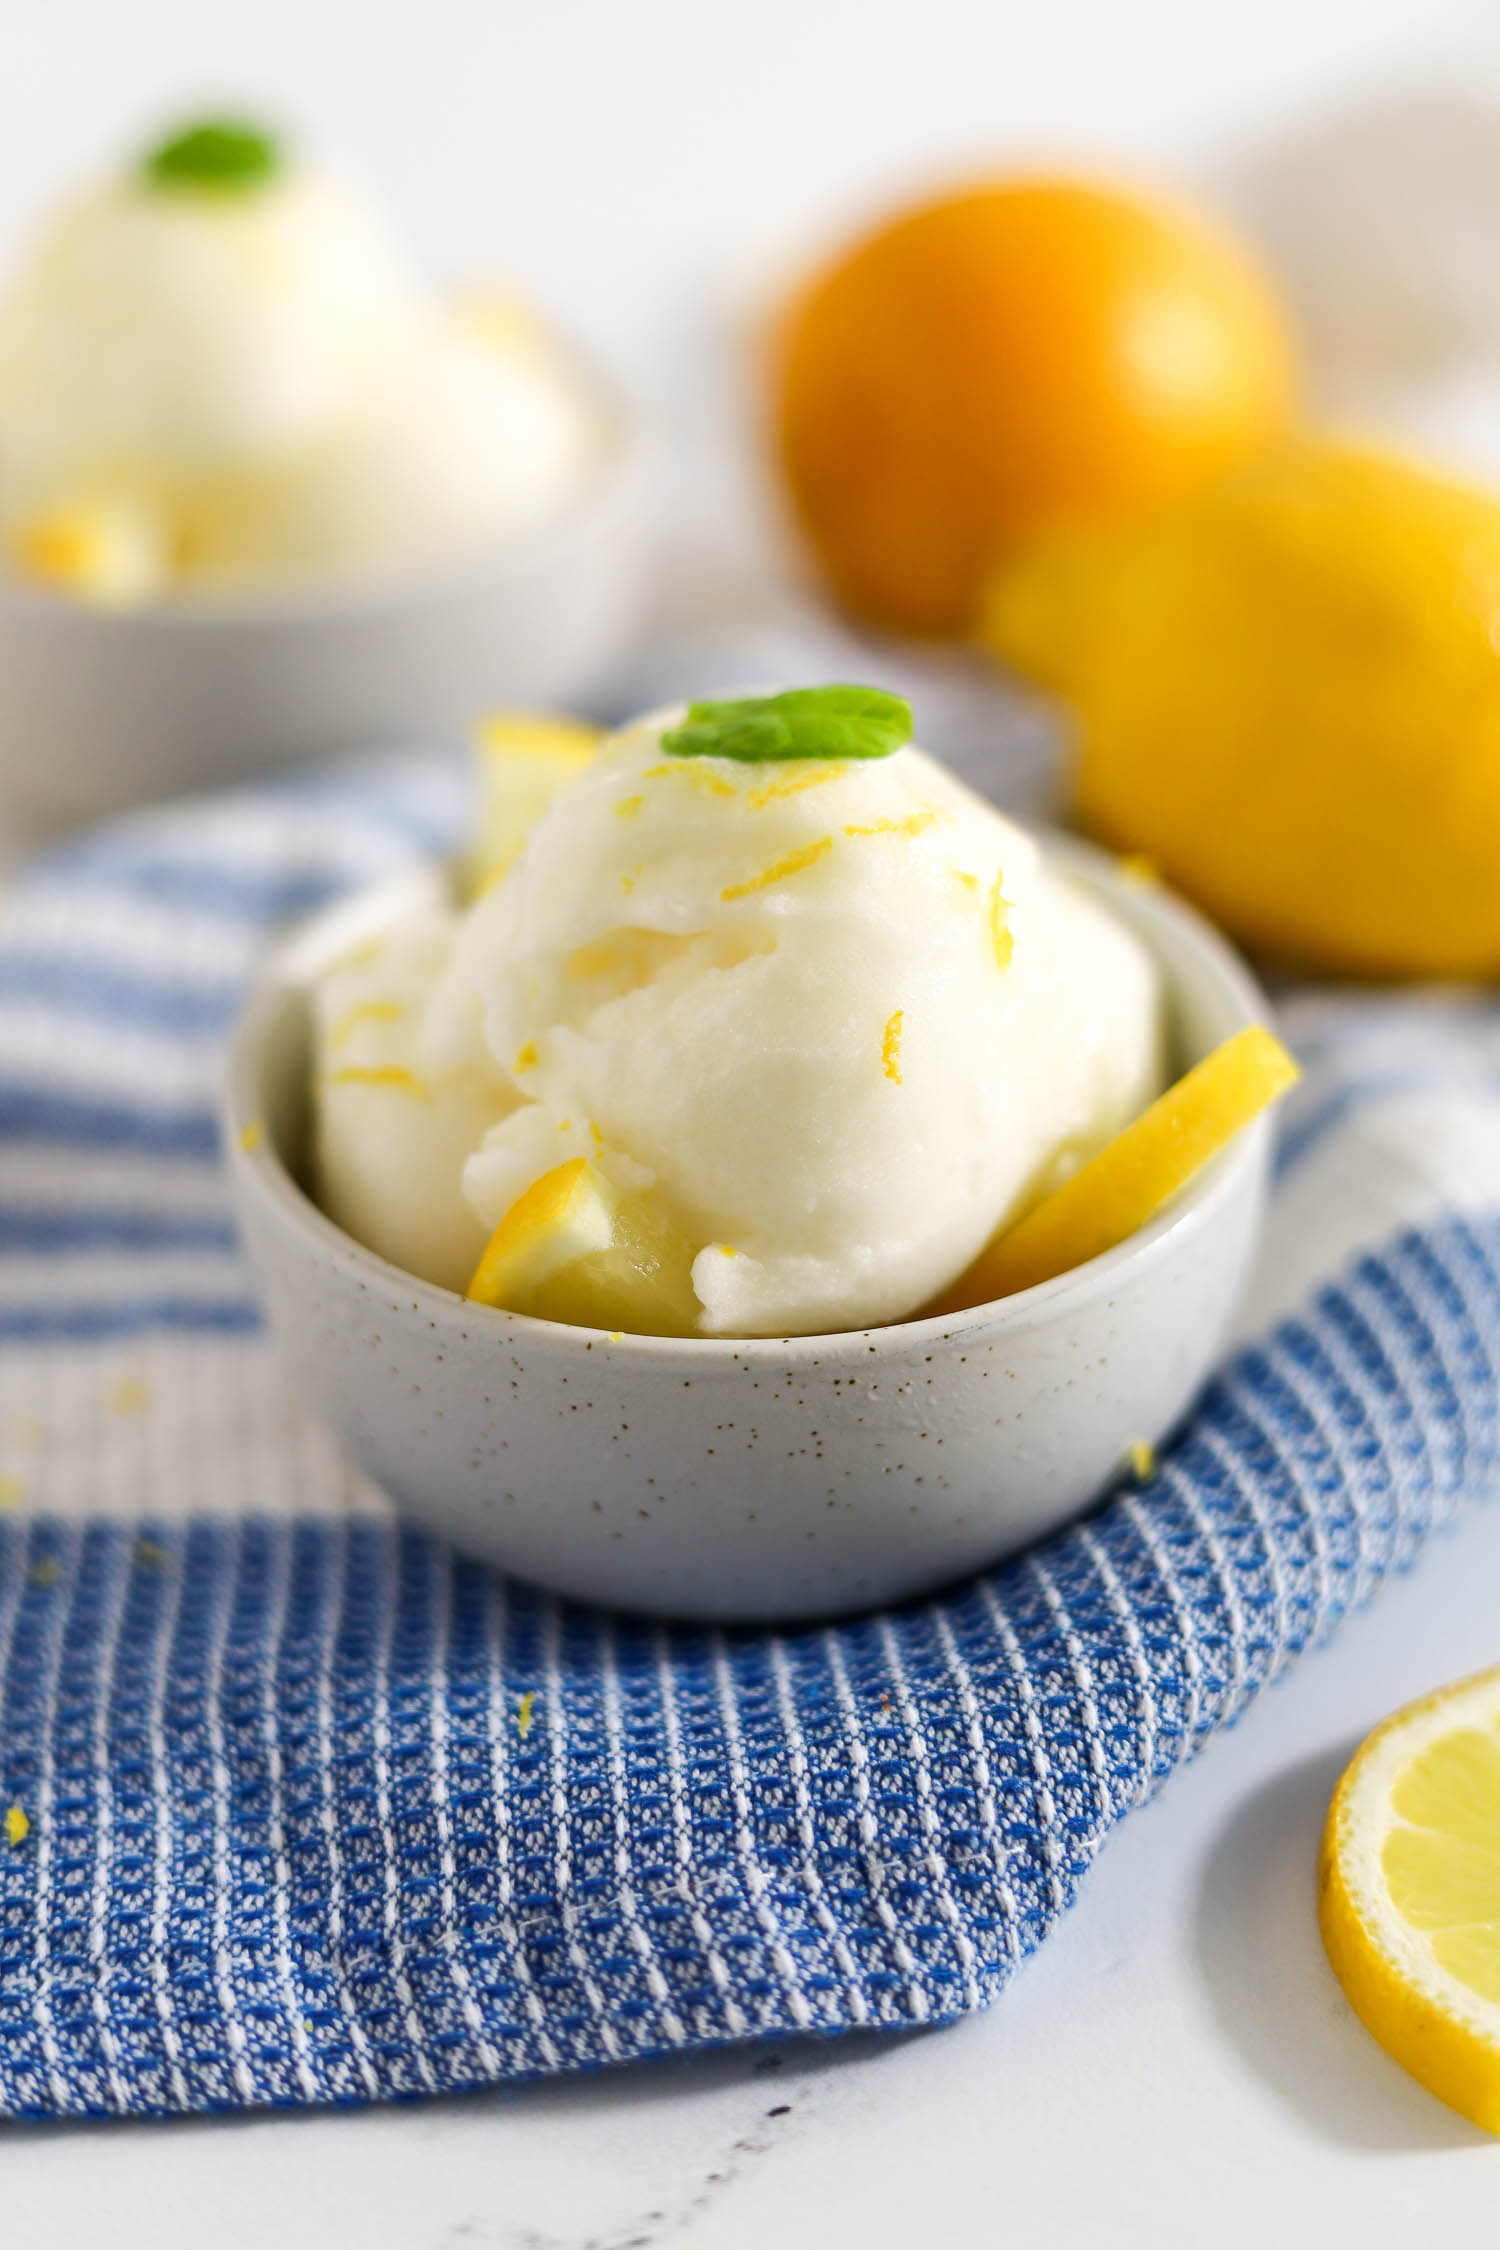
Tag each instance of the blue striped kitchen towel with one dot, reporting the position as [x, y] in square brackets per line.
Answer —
[300, 1807]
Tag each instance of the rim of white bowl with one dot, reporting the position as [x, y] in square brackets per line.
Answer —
[243, 1106]
[623, 456]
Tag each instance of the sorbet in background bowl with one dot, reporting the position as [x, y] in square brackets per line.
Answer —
[265, 494]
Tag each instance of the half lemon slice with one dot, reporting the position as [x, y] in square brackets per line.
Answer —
[576, 1248]
[1409, 1892]
[1116, 1192]
[524, 759]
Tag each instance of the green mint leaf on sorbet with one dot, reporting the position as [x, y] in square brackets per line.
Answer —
[220, 153]
[815, 722]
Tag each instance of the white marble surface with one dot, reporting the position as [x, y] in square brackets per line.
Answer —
[1177, 2068]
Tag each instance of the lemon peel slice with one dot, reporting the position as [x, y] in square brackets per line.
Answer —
[524, 759]
[1127, 1183]
[1409, 1892]
[577, 1249]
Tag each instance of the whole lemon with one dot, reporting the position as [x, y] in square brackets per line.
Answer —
[997, 361]
[1287, 693]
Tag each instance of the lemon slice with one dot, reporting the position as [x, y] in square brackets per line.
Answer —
[524, 760]
[576, 1248]
[1409, 1892]
[1116, 1192]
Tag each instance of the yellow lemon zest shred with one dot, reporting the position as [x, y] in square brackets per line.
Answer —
[628, 807]
[360, 956]
[728, 1250]
[17, 1827]
[1141, 1455]
[696, 773]
[525, 1059]
[1001, 936]
[523, 1714]
[770, 791]
[252, 1135]
[595, 1135]
[913, 825]
[12, 1491]
[395, 1075]
[890, 1047]
[615, 1336]
[364, 1011]
[793, 864]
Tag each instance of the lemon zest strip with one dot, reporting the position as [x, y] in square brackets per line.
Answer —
[692, 771]
[1001, 936]
[377, 1074]
[364, 1011]
[890, 1047]
[769, 791]
[793, 864]
[913, 825]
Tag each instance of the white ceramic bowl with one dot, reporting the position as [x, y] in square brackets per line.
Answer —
[745, 1478]
[104, 709]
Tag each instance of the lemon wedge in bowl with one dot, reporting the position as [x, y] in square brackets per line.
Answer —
[1120, 1189]
[576, 1248]
[524, 758]
[1409, 1892]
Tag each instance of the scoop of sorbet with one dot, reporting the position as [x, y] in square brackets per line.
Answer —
[245, 384]
[836, 1017]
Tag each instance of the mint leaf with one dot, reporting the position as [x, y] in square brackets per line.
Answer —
[818, 722]
[220, 153]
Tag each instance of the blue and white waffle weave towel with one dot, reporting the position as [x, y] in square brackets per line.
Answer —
[297, 1807]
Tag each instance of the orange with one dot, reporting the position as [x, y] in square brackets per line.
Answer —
[997, 362]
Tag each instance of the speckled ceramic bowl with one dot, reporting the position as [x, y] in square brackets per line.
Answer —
[755, 1478]
[106, 709]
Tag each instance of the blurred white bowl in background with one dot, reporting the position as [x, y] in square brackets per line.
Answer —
[103, 709]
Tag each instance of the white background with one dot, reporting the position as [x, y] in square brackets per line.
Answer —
[622, 156]
[1178, 2067]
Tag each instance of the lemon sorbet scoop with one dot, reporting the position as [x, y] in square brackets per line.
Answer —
[788, 1021]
